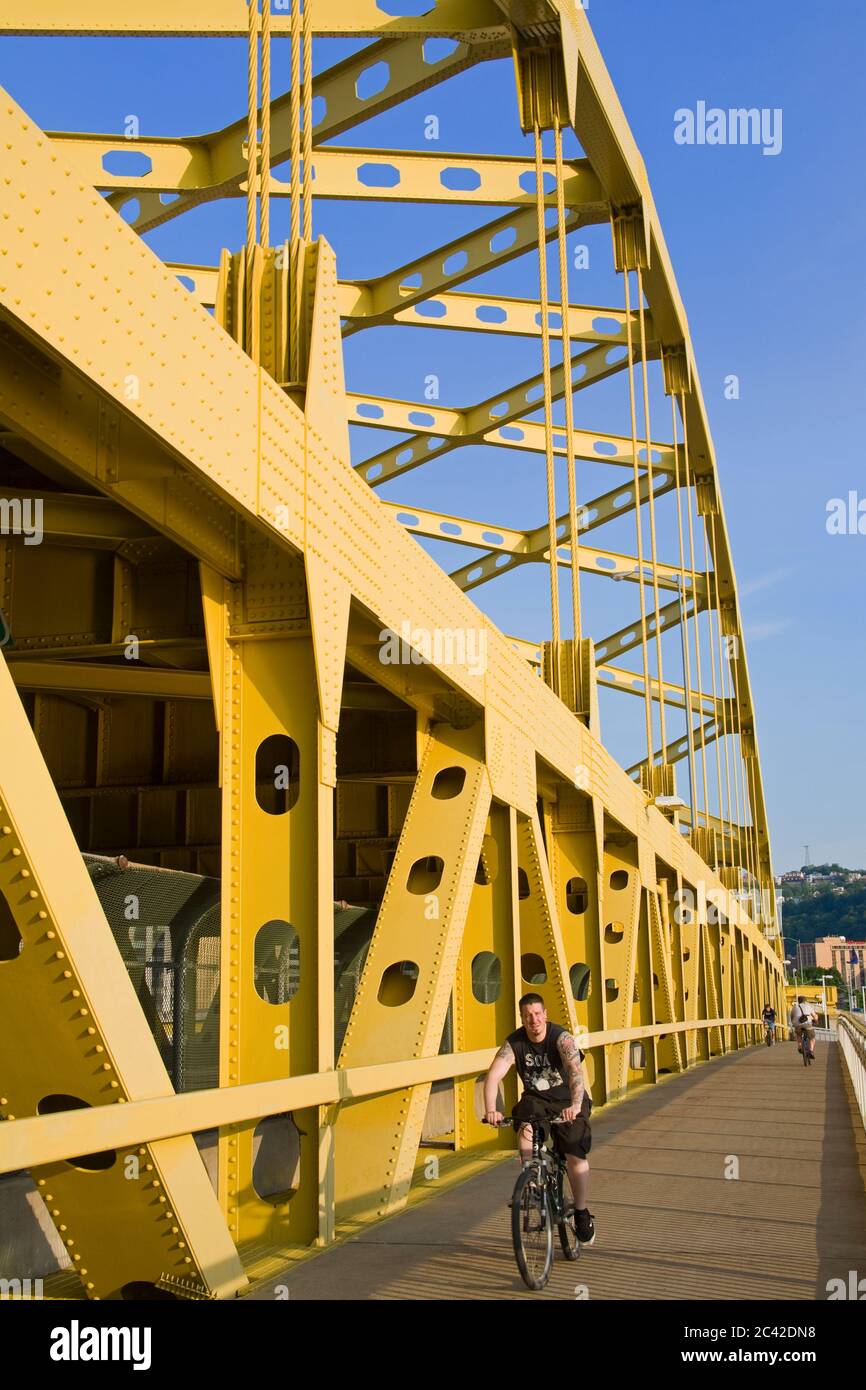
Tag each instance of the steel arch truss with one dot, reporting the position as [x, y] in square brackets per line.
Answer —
[206, 544]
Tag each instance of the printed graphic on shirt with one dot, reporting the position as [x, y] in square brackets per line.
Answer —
[540, 1075]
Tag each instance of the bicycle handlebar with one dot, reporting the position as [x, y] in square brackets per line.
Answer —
[534, 1119]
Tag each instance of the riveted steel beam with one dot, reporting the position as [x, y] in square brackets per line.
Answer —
[494, 244]
[70, 1015]
[543, 955]
[574, 834]
[628, 637]
[678, 748]
[76, 425]
[449, 429]
[399, 69]
[399, 1010]
[670, 1053]
[601, 127]
[622, 910]
[512, 317]
[485, 992]
[380, 412]
[190, 166]
[464, 532]
[69, 516]
[591, 514]
[274, 495]
[68, 677]
[473, 20]
[632, 682]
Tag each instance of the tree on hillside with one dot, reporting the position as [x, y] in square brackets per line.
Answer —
[812, 976]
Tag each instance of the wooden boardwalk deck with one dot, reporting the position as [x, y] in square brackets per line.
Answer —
[670, 1225]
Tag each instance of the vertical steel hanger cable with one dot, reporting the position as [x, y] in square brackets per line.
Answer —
[569, 401]
[265, 164]
[548, 406]
[737, 753]
[638, 526]
[725, 705]
[252, 155]
[652, 511]
[308, 120]
[716, 719]
[756, 862]
[295, 180]
[687, 665]
[695, 604]
[295, 125]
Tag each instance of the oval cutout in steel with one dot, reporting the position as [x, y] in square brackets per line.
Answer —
[397, 984]
[278, 774]
[448, 782]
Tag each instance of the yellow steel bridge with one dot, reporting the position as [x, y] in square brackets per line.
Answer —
[287, 821]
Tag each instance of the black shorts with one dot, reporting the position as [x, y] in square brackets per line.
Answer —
[574, 1138]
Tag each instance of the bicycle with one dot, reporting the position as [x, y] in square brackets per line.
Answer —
[808, 1057]
[770, 1034]
[542, 1199]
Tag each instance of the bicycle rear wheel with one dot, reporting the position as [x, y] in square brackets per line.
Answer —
[532, 1228]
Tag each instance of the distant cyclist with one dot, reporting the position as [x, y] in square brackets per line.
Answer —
[550, 1065]
[769, 1019]
[803, 1018]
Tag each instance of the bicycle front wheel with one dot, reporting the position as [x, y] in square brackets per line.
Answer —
[567, 1233]
[532, 1228]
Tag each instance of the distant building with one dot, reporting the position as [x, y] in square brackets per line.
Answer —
[793, 877]
[835, 953]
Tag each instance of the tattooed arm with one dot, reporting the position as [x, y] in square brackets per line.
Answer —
[573, 1071]
[499, 1067]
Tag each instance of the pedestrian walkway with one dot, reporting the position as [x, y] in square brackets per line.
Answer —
[743, 1179]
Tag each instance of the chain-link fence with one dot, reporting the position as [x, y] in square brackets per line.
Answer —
[166, 924]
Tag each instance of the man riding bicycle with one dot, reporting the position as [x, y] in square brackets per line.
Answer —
[803, 1018]
[768, 1016]
[550, 1065]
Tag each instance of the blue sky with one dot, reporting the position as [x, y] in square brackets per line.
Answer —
[764, 252]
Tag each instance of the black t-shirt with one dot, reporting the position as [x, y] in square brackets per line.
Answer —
[769, 1015]
[540, 1066]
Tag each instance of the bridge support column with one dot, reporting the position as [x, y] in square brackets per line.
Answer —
[485, 1001]
[621, 912]
[712, 977]
[278, 771]
[401, 1004]
[575, 849]
[543, 959]
[689, 945]
[670, 1050]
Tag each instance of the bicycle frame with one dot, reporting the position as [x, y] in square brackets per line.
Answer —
[553, 1172]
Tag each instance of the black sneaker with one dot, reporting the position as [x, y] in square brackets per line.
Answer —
[584, 1226]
